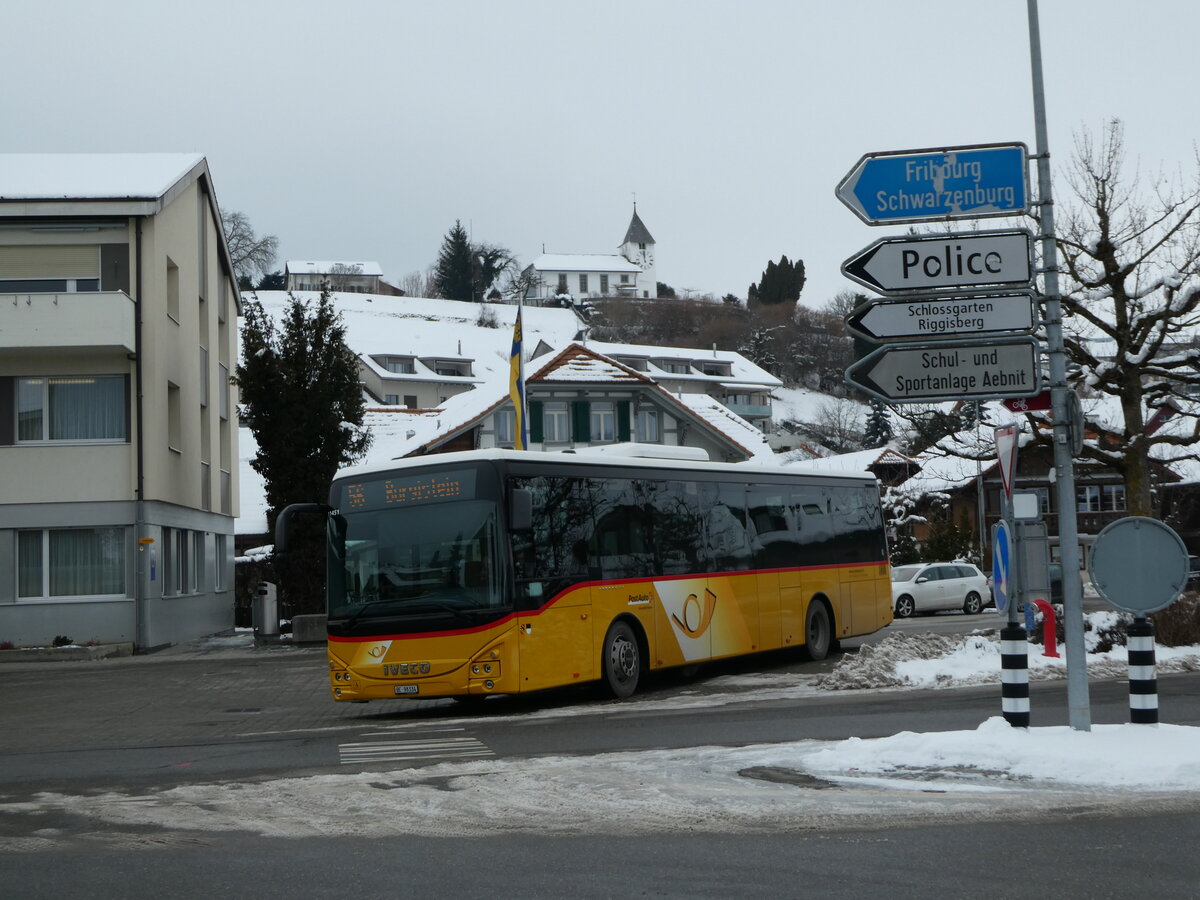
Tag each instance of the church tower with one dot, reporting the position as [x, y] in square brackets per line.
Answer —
[638, 248]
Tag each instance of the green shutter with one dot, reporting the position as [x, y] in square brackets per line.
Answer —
[623, 420]
[581, 421]
[535, 422]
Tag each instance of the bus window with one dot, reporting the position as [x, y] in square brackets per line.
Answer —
[727, 547]
[677, 528]
[776, 541]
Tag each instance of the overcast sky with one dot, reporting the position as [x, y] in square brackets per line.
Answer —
[361, 130]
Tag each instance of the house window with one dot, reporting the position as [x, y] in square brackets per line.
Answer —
[48, 285]
[223, 391]
[1100, 498]
[199, 562]
[203, 377]
[220, 560]
[391, 399]
[410, 400]
[172, 290]
[71, 408]
[647, 426]
[562, 283]
[556, 423]
[603, 284]
[174, 418]
[181, 556]
[583, 284]
[624, 279]
[71, 562]
[506, 426]
[604, 422]
[401, 366]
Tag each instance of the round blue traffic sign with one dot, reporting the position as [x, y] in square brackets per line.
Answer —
[1001, 564]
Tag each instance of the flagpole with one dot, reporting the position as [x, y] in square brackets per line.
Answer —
[516, 387]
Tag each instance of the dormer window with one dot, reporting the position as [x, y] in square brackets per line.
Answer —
[400, 365]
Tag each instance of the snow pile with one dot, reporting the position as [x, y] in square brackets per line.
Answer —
[908, 659]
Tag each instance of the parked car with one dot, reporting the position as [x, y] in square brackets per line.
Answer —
[927, 587]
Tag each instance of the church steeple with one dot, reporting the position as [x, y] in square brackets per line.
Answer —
[637, 233]
[638, 248]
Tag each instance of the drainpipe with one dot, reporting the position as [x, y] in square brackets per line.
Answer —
[141, 602]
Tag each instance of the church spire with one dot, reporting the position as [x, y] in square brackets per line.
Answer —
[637, 233]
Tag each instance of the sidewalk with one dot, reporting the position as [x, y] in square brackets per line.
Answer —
[238, 645]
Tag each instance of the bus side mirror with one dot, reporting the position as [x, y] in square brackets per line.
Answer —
[520, 509]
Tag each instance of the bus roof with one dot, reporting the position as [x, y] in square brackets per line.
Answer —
[590, 457]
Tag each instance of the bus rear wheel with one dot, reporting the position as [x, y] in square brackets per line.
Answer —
[622, 660]
[818, 631]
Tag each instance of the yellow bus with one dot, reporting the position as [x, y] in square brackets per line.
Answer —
[500, 572]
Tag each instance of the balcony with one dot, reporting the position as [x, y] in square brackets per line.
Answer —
[81, 321]
[750, 411]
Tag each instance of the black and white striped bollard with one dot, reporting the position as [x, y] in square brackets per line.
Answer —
[1143, 681]
[1014, 675]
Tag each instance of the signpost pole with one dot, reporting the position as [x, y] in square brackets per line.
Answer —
[1068, 530]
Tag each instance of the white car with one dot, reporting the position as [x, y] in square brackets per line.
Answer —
[926, 587]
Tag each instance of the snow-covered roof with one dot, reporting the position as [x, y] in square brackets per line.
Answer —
[579, 363]
[326, 267]
[584, 262]
[424, 327]
[730, 424]
[742, 372]
[859, 461]
[92, 176]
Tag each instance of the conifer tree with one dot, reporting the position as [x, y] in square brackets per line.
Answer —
[302, 400]
[454, 270]
[781, 282]
[878, 431]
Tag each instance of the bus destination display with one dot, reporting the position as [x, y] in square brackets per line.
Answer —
[398, 490]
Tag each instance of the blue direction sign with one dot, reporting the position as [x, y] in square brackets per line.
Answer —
[948, 183]
[1001, 565]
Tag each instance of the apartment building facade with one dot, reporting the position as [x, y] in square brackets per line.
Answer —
[118, 433]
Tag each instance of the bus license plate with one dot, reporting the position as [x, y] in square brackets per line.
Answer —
[408, 689]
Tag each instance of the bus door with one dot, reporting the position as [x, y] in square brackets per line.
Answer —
[775, 542]
[555, 637]
[859, 536]
[813, 516]
[715, 612]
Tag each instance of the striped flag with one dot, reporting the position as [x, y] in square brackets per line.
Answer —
[516, 386]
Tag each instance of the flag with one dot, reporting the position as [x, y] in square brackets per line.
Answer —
[516, 387]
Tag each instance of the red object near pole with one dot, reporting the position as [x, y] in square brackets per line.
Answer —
[1049, 628]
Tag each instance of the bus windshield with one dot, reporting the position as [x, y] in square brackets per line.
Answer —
[416, 561]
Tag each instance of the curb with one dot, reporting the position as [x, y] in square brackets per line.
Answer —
[65, 654]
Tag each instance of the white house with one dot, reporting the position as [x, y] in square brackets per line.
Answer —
[627, 273]
[316, 275]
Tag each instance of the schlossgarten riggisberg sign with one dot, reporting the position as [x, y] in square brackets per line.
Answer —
[970, 182]
[939, 316]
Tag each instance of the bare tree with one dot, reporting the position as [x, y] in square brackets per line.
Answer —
[341, 276]
[838, 425]
[519, 282]
[251, 255]
[418, 284]
[1132, 305]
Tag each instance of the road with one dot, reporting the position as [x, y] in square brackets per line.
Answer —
[135, 728]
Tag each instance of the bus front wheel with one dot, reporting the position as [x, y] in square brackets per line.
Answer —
[622, 660]
[818, 631]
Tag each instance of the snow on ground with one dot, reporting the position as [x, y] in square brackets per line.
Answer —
[990, 772]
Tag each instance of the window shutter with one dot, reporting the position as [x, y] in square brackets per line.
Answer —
[535, 422]
[581, 420]
[53, 261]
[623, 420]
